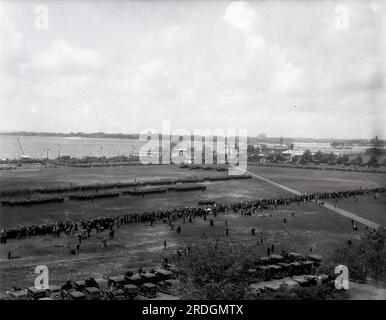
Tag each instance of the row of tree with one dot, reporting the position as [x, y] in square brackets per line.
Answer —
[365, 257]
[330, 158]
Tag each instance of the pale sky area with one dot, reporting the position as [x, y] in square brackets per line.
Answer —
[284, 68]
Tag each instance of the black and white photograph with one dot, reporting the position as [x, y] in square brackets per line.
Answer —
[187, 150]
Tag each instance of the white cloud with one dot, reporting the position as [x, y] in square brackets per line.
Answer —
[63, 57]
[241, 15]
[195, 64]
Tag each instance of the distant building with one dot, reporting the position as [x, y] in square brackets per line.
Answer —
[181, 154]
[313, 146]
[262, 136]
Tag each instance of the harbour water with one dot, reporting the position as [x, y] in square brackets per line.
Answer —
[40, 147]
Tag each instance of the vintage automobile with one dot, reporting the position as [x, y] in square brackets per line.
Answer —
[166, 286]
[130, 291]
[252, 275]
[54, 292]
[265, 260]
[315, 258]
[68, 286]
[311, 278]
[148, 290]
[296, 268]
[92, 293]
[116, 282]
[294, 256]
[286, 266]
[264, 272]
[275, 271]
[35, 293]
[135, 279]
[76, 295]
[18, 295]
[79, 285]
[115, 294]
[272, 287]
[303, 282]
[103, 285]
[276, 258]
[149, 277]
[90, 282]
[307, 266]
[163, 274]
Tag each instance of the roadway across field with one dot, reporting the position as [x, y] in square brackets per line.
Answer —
[327, 205]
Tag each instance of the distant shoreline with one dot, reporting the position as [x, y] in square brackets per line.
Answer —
[98, 135]
[135, 136]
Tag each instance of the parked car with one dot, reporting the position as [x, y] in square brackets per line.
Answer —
[35, 293]
[76, 295]
[135, 279]
[130, 291]
[275, 271]
[315, 258]
[116, 282]
[18, 295]
[148, 290]
[79, 285]
[303, 282]
[115, 294]
[103, 285]
[294, 256]
[92, 293]
[149, 277]
[164, 274]
[307, 266]
[296, 268]
[276, 258]
[54, 292]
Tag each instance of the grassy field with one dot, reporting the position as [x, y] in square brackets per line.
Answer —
[140, 245]
[222, 191]
[306, 180]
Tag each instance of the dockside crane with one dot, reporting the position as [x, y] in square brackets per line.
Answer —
[22, 153]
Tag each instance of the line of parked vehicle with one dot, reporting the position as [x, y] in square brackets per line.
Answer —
[278, 266]
[128, 286]
[268, 274]
[291, 269]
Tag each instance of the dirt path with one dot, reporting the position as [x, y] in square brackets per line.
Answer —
[327, 205]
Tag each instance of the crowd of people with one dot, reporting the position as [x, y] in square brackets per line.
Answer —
[85, 225]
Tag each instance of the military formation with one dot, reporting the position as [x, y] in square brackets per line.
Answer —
[31, 202]
[119, 185]
[86, 225]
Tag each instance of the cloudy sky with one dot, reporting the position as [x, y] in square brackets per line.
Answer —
[284, 68]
